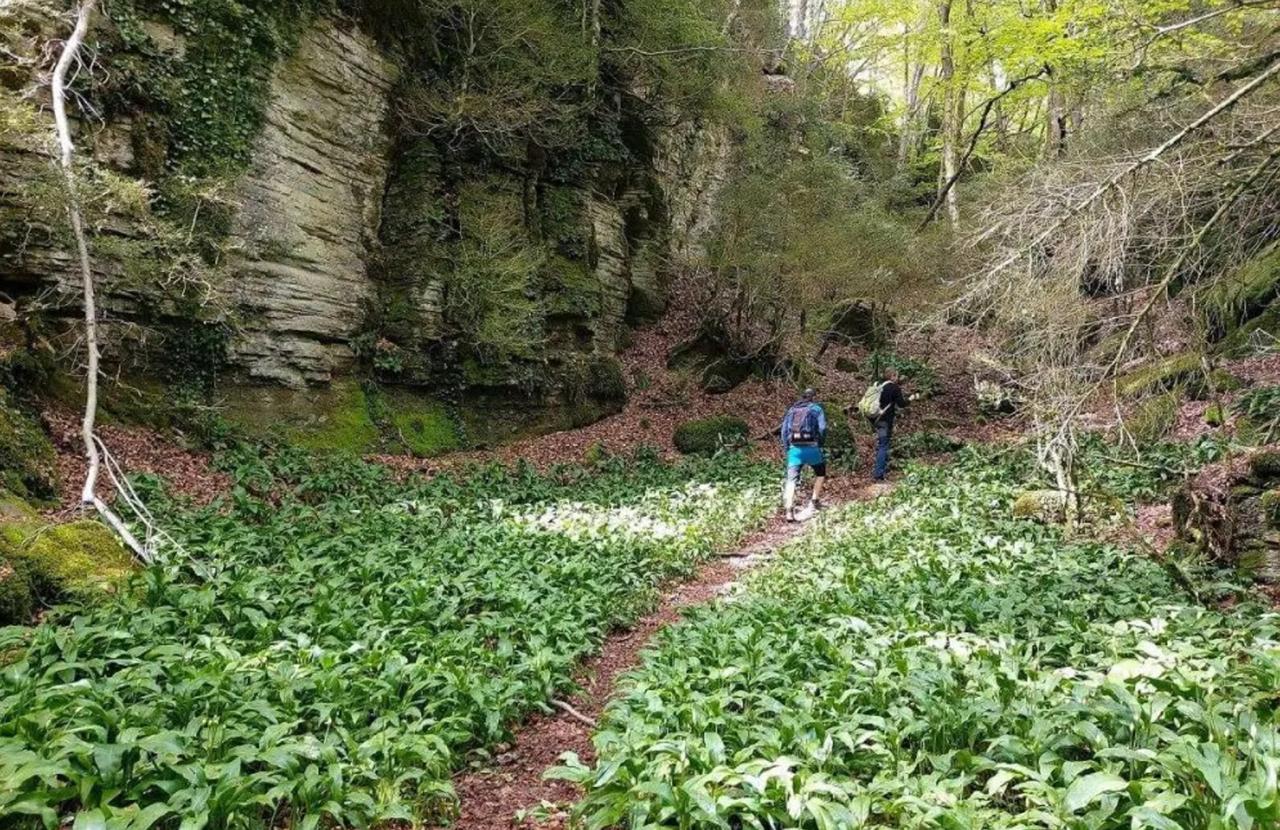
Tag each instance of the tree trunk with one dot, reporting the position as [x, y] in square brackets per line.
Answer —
[952, 115]
[909, 137]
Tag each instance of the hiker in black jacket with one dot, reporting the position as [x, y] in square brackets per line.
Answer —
[891, 401]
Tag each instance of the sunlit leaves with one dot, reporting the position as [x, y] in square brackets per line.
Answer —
[340, 640]
[928, 661]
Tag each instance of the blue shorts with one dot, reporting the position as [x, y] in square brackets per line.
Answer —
[800, 457]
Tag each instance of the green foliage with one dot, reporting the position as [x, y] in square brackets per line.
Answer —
[841, 445]
[1232, 300]
[917, 444]
[337, 640]
[921, 376]
[427, 431]
[1260, 408]
[951, 667]
[704, 436]
[491, 292]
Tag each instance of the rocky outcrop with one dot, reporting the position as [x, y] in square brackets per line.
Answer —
[1231, 512]
[340, 233]
[312, 207]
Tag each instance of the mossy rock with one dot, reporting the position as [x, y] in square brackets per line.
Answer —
[1241, 296]
[1153, 418]
[1269, 503]
[1265, 465]
[1214, 416]
[862, 323]
[847, 365]
[17, 602]
[1047, 506]
[26, 456]
[1160, 376]
[605, 381]
[333, 419]
[704, 436]
[725, 375]
[76, 560]
[1262, 330]
[425, 429]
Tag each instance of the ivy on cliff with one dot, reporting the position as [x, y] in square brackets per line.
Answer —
[211, 83]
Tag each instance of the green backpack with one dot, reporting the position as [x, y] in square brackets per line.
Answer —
[870, 403]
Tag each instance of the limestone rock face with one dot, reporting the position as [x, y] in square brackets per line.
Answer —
[312, 206]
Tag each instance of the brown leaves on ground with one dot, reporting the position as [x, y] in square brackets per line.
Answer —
[138, 450]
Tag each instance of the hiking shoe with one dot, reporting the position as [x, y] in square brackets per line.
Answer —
[789, 516]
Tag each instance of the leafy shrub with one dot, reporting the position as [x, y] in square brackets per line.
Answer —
[703, 436]
[842, 445]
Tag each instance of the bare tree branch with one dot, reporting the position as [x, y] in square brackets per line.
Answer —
[1177, 138]
[66, 149]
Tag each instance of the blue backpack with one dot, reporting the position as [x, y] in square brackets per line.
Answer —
[802, 425]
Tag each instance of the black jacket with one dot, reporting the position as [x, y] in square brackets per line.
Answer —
[891, 400]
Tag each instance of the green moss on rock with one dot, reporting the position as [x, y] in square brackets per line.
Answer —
[17, 602]
[1230, 302]
[1152, 419]
[1040, 505]
[334, 419]
[424, 427]
[58, 562]
[704, 436]
[1159, 376]
[1270, 504]
[1265, 465]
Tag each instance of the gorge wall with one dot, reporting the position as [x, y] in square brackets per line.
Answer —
[337, 252]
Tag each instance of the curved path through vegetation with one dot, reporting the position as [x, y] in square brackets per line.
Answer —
[514, 788]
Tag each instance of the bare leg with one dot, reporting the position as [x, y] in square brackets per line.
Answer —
[817, 489]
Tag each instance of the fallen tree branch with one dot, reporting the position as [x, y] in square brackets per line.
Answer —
[1173, 141]
[573, 713]
[66, 149]
[1175, 268]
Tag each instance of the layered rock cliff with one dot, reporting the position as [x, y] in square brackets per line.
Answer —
[340, 250]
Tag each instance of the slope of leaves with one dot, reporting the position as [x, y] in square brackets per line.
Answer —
[928, 662]
[337, 639]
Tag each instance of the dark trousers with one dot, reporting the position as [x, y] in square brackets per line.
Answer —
[884, 434]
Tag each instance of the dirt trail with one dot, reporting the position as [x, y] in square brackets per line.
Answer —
[489, 798]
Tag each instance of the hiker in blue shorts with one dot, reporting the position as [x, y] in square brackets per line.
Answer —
[804, 431]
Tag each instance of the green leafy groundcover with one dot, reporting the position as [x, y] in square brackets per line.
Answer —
[337, 639]
[928, 662]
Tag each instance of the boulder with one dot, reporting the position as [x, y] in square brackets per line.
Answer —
[861, 323]
[703, 436]
[1048, 506]
[1235, 520]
